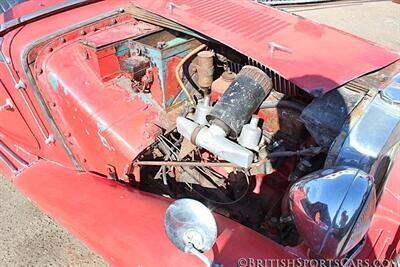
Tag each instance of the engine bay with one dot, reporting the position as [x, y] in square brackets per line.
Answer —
[236, 143]
[174, 113]
[237, 149]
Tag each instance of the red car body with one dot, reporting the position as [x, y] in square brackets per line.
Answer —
[49, 152]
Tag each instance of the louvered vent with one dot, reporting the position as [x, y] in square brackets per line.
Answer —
[235, 17]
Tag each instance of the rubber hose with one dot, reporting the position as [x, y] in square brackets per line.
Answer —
[179, 67]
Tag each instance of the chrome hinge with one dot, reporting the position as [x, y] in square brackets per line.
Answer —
[7, 106]
[20, 85]
[50, 140]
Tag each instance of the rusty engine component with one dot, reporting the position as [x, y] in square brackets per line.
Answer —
[228, 117]
[222, 84]
[138, 70]
[205, 70]
[178, 70]
[224, 126]
[190, 160]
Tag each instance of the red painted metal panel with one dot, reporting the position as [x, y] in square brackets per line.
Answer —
[317, 58]
[124, 225]
[12, 124]
[20, 38]
[13, 158]
[103, 122]
[383, 240]
[26, 8]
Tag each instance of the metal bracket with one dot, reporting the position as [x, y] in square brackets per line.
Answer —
[7, 106]
[50, 140]
[20, 85]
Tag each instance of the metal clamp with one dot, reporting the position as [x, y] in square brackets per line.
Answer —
[7, 106]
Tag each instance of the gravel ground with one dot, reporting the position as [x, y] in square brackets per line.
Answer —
[30, 238]
[377, 21]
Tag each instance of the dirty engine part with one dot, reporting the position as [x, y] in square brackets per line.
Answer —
[243, 97]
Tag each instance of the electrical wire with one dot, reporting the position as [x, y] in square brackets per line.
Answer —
[179, 68]
[226, 203]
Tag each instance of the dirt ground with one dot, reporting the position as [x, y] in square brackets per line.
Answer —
[30, 238]
[377, 21]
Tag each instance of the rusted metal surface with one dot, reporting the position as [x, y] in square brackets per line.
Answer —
[77, 97]
[80, 101]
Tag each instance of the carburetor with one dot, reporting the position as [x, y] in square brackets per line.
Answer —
[228, 118]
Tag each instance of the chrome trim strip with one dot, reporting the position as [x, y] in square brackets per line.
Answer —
[6, 5]
[47, 11]
[370, 142]
[20, 86]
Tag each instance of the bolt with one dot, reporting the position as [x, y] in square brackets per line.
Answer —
[384, 78]
[82, 32]
[50, 140]
[161, 45]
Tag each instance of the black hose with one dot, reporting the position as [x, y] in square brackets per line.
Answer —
[311, 152]
[283, 104]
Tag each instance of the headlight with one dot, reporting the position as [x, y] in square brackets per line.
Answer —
[332, 209]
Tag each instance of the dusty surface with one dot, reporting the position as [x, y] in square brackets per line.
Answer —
[377, 21]
[30, 238]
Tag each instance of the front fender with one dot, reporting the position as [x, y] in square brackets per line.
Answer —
[125, 225]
